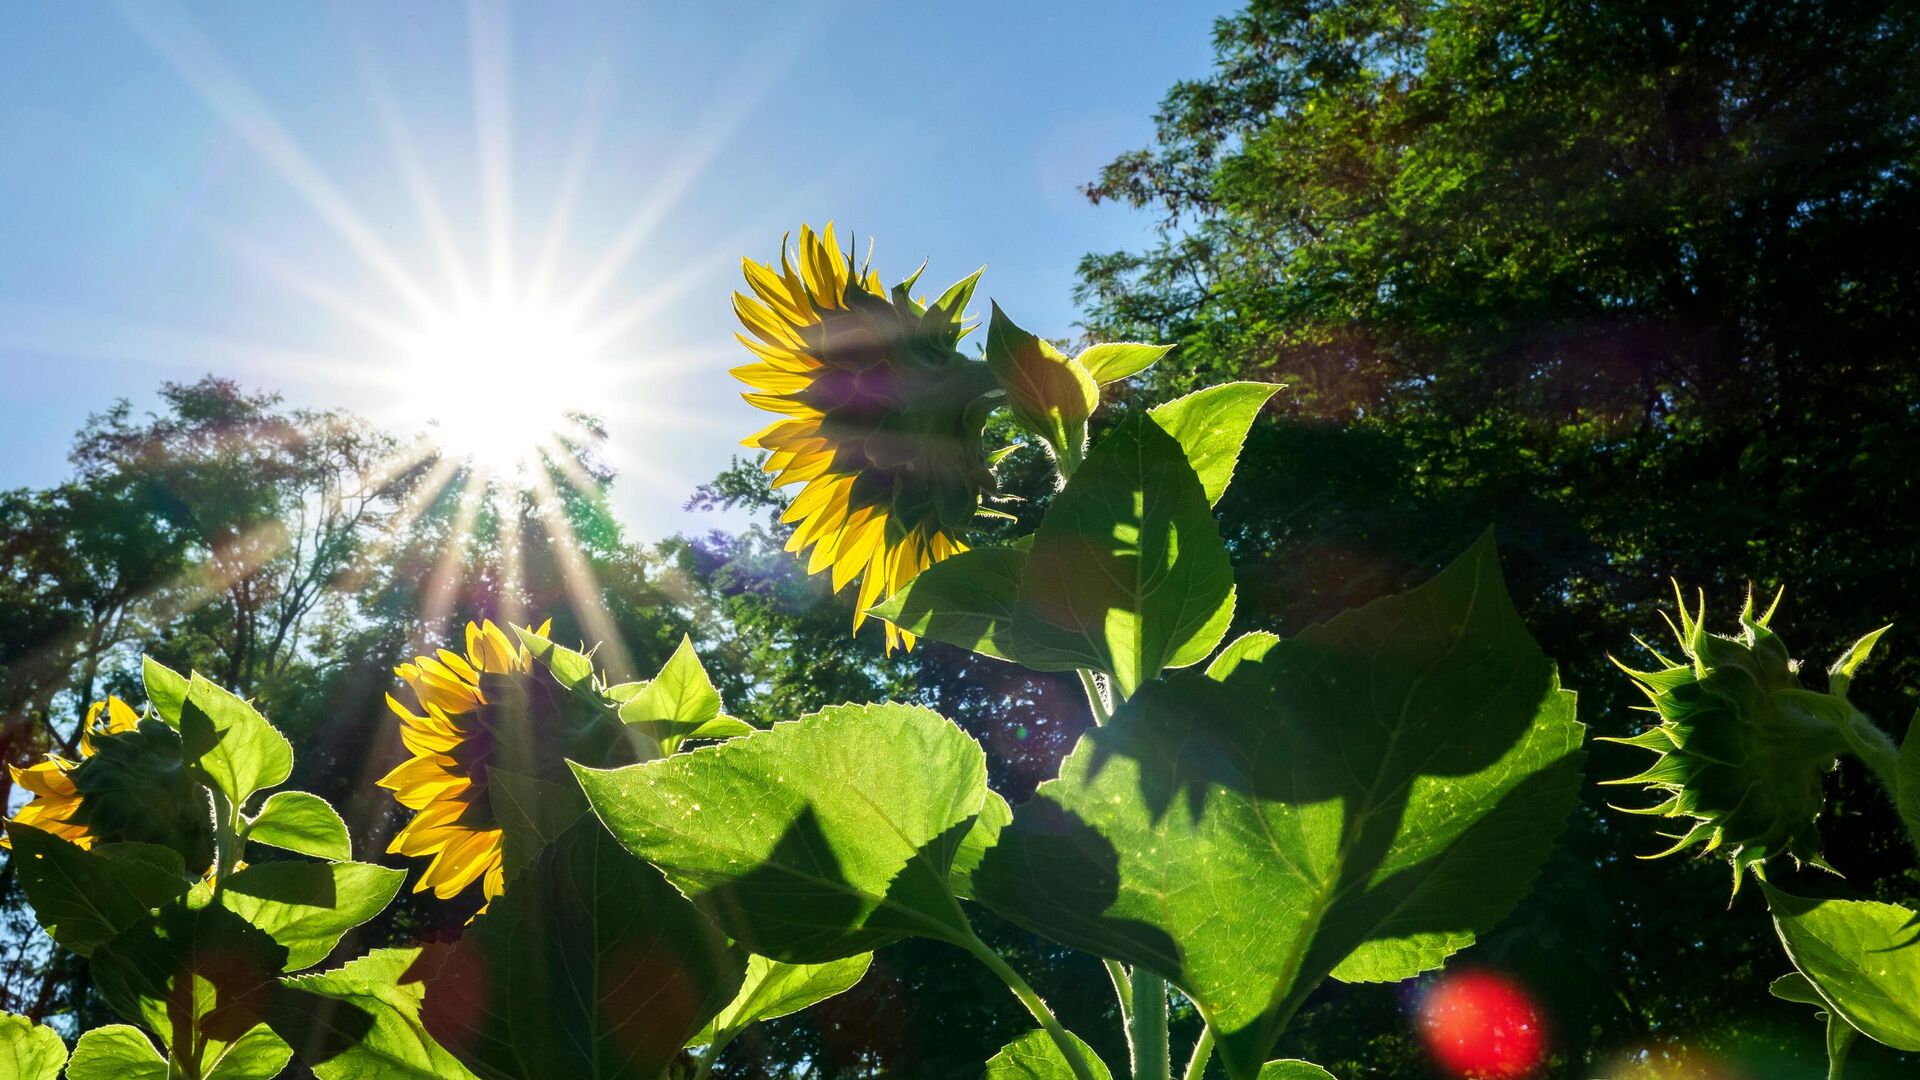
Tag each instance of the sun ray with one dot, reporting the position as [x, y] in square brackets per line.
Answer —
[440, 593]
[585, 140]
[171, 33]
[490, 52]
[583, 589]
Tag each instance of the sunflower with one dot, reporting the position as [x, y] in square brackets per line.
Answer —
[490, 709]
[881, 417]
[56, 798]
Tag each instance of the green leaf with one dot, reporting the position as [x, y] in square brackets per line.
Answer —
[1253, 646]
[362, 1021]
[569, 668]
[1843, 669]
[193, 972]
[972, 600]
[257, 1055]
[228, 745]
[591, 965]
[995, 815]
[1211, 425]
[772, 989]
[816, 839]
[1035, 1056]
[29, 1051]
[680, 703]
[1863, 957]
[166, 690]
[532, 813]
[1794, 987]
[83, 898]
[1128, 573]
[298, 821]
[115, 1052]
[1049, 393]
[1111, 361]
[1907, 773]
[307, 907]
[1361, 800]
[1293, 1069]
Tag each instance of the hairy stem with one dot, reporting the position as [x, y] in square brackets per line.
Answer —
[1202, 1051]
[1149, 1029]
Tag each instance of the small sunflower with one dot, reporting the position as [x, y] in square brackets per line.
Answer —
[882, 417]
[56, 801]
[492, 708]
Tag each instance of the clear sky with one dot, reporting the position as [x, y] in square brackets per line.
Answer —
[283, 193]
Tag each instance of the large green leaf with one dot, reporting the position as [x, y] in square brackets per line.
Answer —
[1359, 800]
[229, 746]
[193, 972]
[1127, 573]
[591, 966]
[1211, 425]
[772, 989]
[306, 907]
[298, 821]
[362, 1021]
[29, 1051]
[115, 1052]
[83, 898]
[1035, 1056]
[995, 815]
[815, 840]
[1863, 958]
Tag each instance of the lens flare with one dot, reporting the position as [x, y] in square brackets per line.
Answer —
[1483, 1026]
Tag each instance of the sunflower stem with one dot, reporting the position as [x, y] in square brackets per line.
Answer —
[227, 839]
[1202, 1052]
[1069, 1047]
[1149, 1028]
[1096, 697]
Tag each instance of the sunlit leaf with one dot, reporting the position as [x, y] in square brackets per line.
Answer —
[1127, 573]
[1112, 361]
[305, 906]
[298, 821]
[995, 815]
[772, 989]
[115, 1052]
[590, 965]
[1862, 956]
[257, 1055]
[680, 703]
[1293, 1069]
[815, 840]
[972, 600]
[569, 667]
[228, 745]
[1035, 1056]
[1211, 425]
[1361, 800]
[29, 1051]
[166, 689]
[1049, 393]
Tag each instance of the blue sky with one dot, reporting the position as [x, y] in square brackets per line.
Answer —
[242, 187]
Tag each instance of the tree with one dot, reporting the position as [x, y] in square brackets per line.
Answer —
[1630, 280]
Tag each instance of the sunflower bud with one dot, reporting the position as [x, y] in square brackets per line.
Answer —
[1049, 392]
[1742, 747]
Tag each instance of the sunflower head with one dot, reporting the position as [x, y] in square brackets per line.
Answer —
[494, 709]
[1741, 747]
[130, 784]
[881, 416]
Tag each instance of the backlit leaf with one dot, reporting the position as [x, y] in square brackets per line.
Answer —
[305, 906]
[115, 1052]
[772, 989]
[1863, 957]
[1112, 361]
[83, 898]
[1035, 1056]
[1211, 425]
[361, 1021]
[228, 745]
[1360, 800]
[166, 689]
[298, 821]
[29, 1051]
[816, 839]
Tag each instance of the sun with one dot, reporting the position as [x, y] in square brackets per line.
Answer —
[496, 383]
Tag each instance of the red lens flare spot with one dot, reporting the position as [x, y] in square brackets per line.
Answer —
[1483, 1026]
